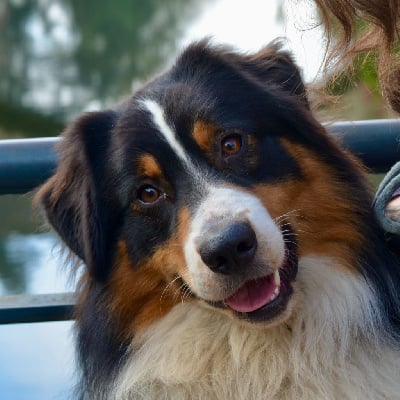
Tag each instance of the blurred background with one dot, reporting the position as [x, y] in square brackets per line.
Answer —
[59, 58]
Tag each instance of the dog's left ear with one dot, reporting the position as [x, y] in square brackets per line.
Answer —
[274, 65]
[77, 200]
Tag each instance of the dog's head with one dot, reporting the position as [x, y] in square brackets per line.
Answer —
[208, 185]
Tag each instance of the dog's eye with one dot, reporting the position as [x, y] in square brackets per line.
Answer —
[231, 145]
[148, 194]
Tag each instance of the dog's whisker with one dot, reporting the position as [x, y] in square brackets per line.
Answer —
[168, 286]
[166, 246]
[288, 232]
[290, 241]
[289, 236]
[285, 215]
[186, 293]
[179, 291]
[289, 213]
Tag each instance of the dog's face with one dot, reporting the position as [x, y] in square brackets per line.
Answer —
[208, 231]
[208, 185]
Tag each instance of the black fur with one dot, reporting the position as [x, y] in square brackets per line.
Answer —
[100, 353]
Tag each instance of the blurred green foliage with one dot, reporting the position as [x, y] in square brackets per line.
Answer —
[60, 56]
[357, 93]
[355, 90]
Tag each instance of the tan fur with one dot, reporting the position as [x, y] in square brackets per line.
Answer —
[136, 295]
[328, 350]
[317, 207]
[204, 135]
[143, 294]
[149, 167]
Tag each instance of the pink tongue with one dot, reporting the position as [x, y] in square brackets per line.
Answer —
[252, 295]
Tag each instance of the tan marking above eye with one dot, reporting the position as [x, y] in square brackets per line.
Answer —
[204, 134]
[231, 145]
[149, 167]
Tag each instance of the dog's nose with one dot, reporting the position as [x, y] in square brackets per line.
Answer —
[230, 250]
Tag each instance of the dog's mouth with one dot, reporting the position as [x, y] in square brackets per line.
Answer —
[255, 294]
[265, 298]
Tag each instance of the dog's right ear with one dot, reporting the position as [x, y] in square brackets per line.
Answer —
[75, 198]
[275, 65]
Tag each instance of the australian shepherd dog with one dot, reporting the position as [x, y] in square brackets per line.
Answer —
[229, 246]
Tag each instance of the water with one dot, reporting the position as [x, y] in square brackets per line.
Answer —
[36, 361]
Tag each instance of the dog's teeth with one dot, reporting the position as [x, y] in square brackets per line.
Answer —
[276, 291]
[273, 297]
[277, 278]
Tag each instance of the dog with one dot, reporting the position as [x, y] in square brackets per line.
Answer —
[229, 247]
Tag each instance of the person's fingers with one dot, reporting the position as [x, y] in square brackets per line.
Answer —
[393, 209]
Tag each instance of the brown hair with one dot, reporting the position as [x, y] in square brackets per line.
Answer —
[343, 21]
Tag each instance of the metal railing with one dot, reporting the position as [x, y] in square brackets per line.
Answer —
[25, 308]
[26, 163]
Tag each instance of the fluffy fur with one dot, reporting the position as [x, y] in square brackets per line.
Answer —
[315, 356]
[229, 245]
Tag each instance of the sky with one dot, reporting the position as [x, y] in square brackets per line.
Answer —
[249, 25]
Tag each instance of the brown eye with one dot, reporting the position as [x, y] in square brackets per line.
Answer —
[231, 145]
[148, 194]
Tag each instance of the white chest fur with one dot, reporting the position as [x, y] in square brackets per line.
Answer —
[330, 350]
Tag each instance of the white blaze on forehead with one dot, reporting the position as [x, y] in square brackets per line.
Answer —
[169, 135]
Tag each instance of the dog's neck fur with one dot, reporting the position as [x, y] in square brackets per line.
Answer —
[331, 349]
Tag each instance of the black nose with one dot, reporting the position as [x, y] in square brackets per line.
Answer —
[230, 250]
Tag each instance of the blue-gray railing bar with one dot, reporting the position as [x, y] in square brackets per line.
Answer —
[375, 142]
[36, 308]
[25, 163]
